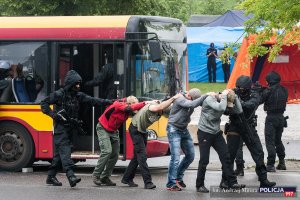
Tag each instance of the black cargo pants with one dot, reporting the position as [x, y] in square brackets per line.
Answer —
[62, 154]
[255, 148]
[274, 125]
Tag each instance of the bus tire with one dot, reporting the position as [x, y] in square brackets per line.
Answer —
[16, 147]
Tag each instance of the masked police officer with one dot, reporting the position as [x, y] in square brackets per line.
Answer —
[249, 100]
[67, 98]
[274, 98]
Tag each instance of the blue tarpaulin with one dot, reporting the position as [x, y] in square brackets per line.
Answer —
[198, 39]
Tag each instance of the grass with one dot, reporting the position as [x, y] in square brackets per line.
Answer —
[208, 87]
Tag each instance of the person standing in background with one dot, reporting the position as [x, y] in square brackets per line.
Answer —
[211, 54]
[225, 59]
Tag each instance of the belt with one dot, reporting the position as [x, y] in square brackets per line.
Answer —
[233, 133]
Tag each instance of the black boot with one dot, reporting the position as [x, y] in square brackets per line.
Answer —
[52, 180]
[73, 180]
[267, 183]
[239, 171]
[281, 165]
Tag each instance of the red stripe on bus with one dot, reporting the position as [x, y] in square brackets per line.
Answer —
[62, 33]
[20, 109]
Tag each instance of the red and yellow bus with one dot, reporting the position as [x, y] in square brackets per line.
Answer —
[148, 54]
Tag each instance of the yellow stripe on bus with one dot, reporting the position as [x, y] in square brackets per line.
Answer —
[31, 114]
[64, 22]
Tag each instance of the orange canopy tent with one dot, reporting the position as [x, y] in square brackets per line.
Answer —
[287, 65]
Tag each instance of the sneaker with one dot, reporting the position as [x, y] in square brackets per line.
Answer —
[96, 180]
[52, 180]
[202, 189]
[270, 168]
[107, 182]
[150, 186]
[239, 172]
[237, 186]
[174, 188]
[129, 183]
[180, 184]
[223, 185]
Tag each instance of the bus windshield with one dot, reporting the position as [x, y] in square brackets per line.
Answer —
[157, 80]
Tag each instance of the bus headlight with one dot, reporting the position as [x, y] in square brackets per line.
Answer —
[152, 135]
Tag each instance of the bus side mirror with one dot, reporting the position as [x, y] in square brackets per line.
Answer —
[155, 51]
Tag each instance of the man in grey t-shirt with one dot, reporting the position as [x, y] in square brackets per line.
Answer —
[210, 135]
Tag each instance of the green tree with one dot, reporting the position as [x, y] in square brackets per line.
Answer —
[181, 9]
[272, 18]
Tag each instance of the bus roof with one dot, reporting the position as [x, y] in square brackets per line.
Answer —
[63, 27]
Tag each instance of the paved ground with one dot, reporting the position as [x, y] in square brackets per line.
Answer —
[290, 137]
[31, 186]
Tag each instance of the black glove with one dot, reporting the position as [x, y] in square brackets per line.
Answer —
[108, 102]
[258, 87]
[56, 117]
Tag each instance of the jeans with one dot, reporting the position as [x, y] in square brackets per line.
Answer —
[109, 152]
[179, 140]
[140, 157]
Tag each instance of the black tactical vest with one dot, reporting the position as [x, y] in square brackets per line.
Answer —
[276, 101]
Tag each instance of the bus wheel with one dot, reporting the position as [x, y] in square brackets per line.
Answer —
[16, 147]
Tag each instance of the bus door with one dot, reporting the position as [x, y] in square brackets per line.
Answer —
[90, 60]
[79, 57]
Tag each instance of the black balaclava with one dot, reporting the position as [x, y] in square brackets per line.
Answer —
[212, 45]
[71, 79]
[243, 86]
[273, 78]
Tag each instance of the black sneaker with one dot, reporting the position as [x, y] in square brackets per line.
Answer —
[107, 182]
[270, 168]
[237, 186]
[180, 184]
[52, 180]
[239, 172]
[202, 189]
[223, 185]
[174, 188]
[129, 183]
[150, 186]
